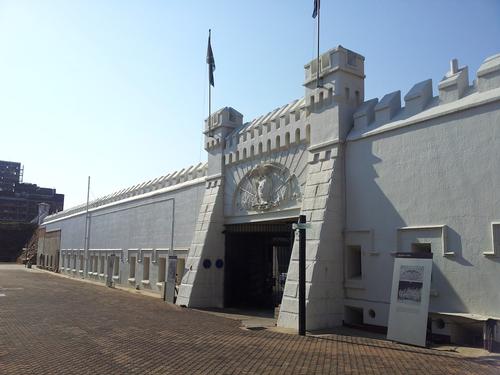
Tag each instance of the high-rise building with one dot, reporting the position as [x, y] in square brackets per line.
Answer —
[19, 201]
[10, 175]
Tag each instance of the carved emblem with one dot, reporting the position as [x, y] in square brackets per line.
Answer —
[266, 186]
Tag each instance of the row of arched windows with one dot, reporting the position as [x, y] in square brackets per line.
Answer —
[257, 131]
[269, 145]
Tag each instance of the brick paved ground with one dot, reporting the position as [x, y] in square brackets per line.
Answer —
[55, 325]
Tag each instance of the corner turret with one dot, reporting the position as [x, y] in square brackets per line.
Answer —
[221, 123]
[338, 93]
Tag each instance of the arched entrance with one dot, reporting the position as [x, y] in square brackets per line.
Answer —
[257, 260]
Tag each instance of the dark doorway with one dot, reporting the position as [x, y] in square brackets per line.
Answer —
[257, 259]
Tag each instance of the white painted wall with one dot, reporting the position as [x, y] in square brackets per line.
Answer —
[444, 171]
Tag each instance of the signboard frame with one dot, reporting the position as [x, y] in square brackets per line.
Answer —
[409, 309]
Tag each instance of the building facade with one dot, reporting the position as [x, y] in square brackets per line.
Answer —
[19, 209]
[19, 200]
[372, 177]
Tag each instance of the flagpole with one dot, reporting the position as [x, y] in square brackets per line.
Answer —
[209, 99]
[318, 66]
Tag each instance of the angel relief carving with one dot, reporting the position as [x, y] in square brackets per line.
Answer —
[266, 186]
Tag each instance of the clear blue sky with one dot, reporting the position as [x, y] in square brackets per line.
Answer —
[118, 89]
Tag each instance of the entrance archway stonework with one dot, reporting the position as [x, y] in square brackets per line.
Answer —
[269, 186]
[278, 166]
[202, 285]
[322, 206]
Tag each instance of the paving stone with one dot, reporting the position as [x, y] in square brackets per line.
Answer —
[56, 325]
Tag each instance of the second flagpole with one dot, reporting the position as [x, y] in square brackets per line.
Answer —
[318, 63]
[209, 97]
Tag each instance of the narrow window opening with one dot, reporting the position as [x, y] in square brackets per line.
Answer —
[181, 264]
[354, 269]
[297, 115]
[287, 139]
[162, 267]
[145, 269]
[116, 266]
[419, 248]
[297, 136]
[278, 142]
[132, 267]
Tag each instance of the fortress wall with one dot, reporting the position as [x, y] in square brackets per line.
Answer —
[135, 227]
[432, 182]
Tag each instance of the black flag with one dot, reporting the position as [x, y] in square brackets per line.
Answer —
[316, 8]
[210, 62]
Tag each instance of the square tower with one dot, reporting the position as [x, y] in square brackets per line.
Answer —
[334, 93]
[217, 127]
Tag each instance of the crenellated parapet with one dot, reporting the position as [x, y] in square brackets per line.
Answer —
[219, 124]
[341, 75]
[454, 90]
[173, 180]
[273, 131]
[488, 74]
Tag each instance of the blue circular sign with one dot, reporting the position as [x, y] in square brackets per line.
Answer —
[219, 263]
[207, 263]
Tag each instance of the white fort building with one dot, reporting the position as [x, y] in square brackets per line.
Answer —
[373, 178]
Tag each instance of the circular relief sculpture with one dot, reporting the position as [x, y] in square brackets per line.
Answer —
[265, 187]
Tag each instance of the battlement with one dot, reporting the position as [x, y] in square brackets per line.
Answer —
[453, 88]
[221, 123]
[338, 58]
[268, 133]
[169, 180]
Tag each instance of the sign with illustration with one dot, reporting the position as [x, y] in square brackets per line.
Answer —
[410, 298]
[410, 284]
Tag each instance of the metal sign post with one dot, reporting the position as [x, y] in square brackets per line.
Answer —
[302, 275]
[170, 282]
[111, 266]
